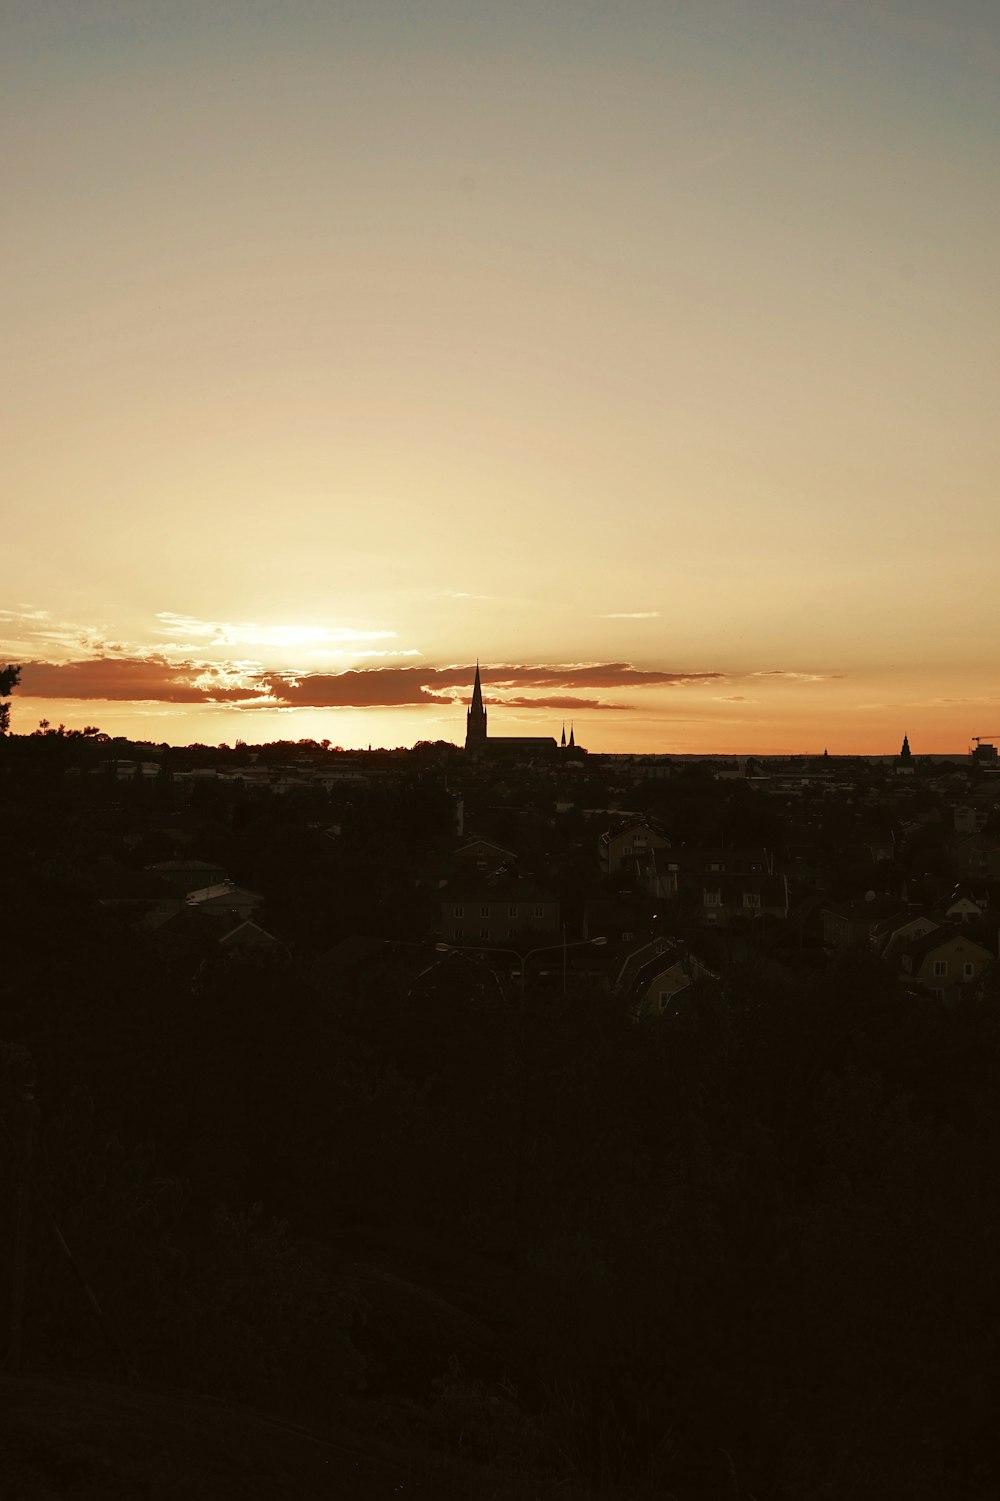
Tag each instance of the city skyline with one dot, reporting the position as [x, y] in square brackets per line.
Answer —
[646, 353]
[269, 704]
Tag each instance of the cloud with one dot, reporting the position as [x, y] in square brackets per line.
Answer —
[567, 702]
[803, 677]
[358, 688]
[162, 677]
[584, 675]
[630, 615]
[24, 616]
[136, 680]
[231, 633]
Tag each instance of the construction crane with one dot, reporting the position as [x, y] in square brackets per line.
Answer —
[986, 748]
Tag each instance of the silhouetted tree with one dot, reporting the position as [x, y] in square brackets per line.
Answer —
[9, 678]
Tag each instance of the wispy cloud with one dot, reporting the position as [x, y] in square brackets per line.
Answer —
[24, 615]
[567, 701]
[246, 633]
[29, 631]
[802, 677]
[630, 615]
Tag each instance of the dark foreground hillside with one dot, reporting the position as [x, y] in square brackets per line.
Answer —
[92, 1441]
[509, 1240]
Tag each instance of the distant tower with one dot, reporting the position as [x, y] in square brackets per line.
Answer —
[572, 738]
[905, 753]
[475, 719]
[562, 743]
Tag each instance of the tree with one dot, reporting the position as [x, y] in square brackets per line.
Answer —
[9, 678]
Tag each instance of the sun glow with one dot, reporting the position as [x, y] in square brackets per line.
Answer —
[246, 633]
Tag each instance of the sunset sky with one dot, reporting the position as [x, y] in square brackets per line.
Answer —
[647, 350]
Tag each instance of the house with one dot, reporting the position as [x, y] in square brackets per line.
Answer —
[964, 909]
[890, 937]
[186, 875]
[695, 862]
[492, 912]
[654, 974]
[725, 897]
[461, 858]
[977, 857]
[225, 900]
[481, 854]
[628, 847]
[969, 819]
[944, 961]
[879, 844]
[850, 925]
[247, 938]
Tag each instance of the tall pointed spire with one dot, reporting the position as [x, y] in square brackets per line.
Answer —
[475, 719]
[572, 738]
[563, 740]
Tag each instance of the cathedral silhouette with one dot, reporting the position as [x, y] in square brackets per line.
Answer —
[478, 742]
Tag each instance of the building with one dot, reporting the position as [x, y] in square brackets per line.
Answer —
[480, 743]
[852, 925]
[486, 913]
[945, 961]
[627, 847]
[977, 857]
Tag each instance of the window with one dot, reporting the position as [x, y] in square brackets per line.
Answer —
[484, 932]
[938, 995]
[627, 936]
[457, 933]
[484, 912]
[751, 898]
[713, 899]
[512, 912]
[539, 911]
[968, 970]
[940, 967]
[459, 912]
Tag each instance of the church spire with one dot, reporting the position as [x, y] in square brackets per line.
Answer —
[572, 738]
[475, 719]
[563, 740]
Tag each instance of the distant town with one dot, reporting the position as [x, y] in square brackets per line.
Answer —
[642, 871]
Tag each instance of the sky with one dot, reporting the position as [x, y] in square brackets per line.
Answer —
[646, 351]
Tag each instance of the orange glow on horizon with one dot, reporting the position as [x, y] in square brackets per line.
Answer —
[355, 338]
